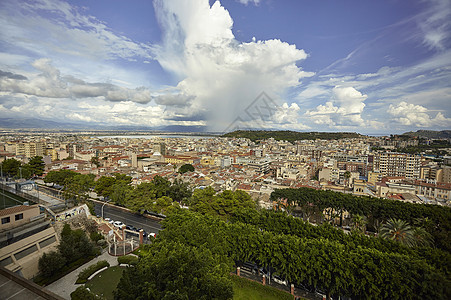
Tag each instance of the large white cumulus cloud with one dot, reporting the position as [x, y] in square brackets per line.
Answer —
[222, 75]
[344, 109]
[416, 115]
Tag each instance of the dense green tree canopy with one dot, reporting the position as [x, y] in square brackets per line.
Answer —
[59, 177]
[186, 168]
[105, 185]
[74, 244]
[224, 204]
[36, 166]
[50, 263]
[173, 270]
[78, 186]
[340, 267]
[10, 167]
[376, 210]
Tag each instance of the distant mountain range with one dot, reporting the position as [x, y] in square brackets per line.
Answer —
[29, 123]
[431, 134]
[34, 123]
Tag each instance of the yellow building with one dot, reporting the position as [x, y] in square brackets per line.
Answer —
[373, 177]
[207, 161]
[30, 149]
[359, 187]
[181, 159]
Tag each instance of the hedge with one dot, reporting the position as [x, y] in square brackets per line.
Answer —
[84, 275]
[128, 259]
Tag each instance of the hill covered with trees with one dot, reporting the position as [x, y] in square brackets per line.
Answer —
[431, 134]
[291, 136]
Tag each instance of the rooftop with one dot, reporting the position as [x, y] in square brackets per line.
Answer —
[15, 209]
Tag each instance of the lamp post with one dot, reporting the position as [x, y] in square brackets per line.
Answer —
[104, 205]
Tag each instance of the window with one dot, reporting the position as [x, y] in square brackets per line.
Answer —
[26, 252]
[6, 220]
[19, 217]
[6, 261]
[47, 242]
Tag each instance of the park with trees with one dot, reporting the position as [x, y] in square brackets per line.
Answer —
[396, 250]
[317, 257]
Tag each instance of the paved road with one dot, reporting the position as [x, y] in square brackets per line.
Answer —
[112, 212]
[128, 218]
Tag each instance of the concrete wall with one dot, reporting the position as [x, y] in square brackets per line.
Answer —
[23, 256]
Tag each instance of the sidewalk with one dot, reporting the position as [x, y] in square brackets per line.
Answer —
[66, 285]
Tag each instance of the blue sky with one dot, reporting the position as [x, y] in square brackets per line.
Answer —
[356, 65]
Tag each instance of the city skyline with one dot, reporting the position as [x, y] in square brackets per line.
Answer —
[357, 66]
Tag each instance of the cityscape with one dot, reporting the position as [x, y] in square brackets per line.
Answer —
[233, 149]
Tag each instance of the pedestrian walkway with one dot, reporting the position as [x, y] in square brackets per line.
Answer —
[66, 285]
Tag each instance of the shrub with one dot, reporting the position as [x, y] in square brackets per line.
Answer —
[82, 293]
[101, 243]
[83, 276]
[128, 259]
[50, 263]
[95, 236]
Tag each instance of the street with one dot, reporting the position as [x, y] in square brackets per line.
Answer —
[128, 218]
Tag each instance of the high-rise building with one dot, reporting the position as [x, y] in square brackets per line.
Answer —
[398, 164]
[160, 147]
[30, 149]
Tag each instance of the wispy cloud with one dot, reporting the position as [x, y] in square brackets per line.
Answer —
[67, 32]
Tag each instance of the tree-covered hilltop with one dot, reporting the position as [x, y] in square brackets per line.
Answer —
[431, 134]
[291, 136]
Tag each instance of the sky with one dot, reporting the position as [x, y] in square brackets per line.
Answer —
[373, 67]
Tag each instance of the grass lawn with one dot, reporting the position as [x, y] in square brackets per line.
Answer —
[104, 283]
[244, 289]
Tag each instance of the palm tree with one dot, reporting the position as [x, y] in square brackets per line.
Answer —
[398, 230]
[359, 223]
[422, 237]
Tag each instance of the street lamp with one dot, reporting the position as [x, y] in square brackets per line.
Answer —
[104, 205]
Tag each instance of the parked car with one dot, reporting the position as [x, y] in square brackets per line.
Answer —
[118, 224]
[250, 267]
[152, 234]
[144, 232]
[109, 220]
[305, 286]
[131, 227]
[279, 280]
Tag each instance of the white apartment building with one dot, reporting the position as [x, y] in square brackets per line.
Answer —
[398, 164]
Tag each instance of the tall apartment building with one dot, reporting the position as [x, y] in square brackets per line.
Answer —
[30, 149]
[398, 164]
[160, 147]
[446, 174]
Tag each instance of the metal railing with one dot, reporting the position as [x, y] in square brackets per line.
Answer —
[13, 190]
